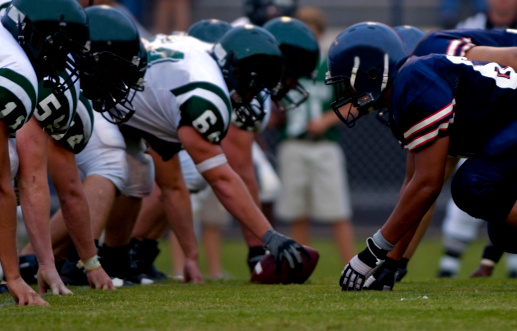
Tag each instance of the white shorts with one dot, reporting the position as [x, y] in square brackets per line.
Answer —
[314, 181]
[208, 210]
[13, 157]
[105, 154]
[267, 178]
[140, 182]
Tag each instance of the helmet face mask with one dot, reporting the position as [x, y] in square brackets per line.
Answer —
[289, 95]
[104, 81]
[113, 70]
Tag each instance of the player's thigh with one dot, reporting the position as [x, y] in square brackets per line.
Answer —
[105, 155]
[486, 187]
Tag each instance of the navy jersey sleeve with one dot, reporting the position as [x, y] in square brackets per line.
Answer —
[423, 107]
[458, 42]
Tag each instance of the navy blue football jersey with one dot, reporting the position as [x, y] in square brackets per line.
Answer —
[458, 42]
[438, 95]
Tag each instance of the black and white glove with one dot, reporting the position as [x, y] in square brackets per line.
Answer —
[282, 247]
[384, 278]
[362, 266]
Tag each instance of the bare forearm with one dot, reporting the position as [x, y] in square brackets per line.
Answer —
[35, 203]
[8, 252]
[77, 219]
[235, 197]
[176, 204]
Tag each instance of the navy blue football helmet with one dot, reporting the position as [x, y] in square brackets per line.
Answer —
[210, 31]
[410, 35]
[362, 63]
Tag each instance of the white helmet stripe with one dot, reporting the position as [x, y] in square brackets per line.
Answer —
[386, 71]
[354, 70]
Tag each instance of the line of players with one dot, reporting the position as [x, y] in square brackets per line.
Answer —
[91, 67]
[181, 106]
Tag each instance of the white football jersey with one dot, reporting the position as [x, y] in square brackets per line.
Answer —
[18, 82]
[183, 86]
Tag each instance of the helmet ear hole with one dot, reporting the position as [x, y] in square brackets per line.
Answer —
[237, 73]
[372, 73]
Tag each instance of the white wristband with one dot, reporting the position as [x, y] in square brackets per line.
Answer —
[90, 264]
[211, 163]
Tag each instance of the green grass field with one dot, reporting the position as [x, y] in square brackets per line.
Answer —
[419, 302]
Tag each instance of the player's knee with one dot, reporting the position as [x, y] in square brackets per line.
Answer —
[478, 196]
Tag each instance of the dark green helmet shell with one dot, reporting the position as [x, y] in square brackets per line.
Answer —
[249, 55]
[116, 63]
[113, 31]
[210, 31]
[298, 44]
[47, 29]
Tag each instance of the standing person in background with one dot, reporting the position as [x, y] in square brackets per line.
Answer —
[180, 19]
[499, 14]
[449, 11]
[312, 164]
[258, 12]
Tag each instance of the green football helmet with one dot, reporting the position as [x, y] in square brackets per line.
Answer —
[115, 64]
[210, 31]
[251, 61]
[48, 31]
[301, 51]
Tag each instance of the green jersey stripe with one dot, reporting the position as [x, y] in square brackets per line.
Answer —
[209, 87]
[19, 86]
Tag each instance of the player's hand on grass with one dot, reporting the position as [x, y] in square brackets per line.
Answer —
[99, 279]
[23, 294]
[49, 279]
[384, 278]
[362, 266]
[282, 247]
[192, 272]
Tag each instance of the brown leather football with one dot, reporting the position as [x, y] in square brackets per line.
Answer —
[265, 270]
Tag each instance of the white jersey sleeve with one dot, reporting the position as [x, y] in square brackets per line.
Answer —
[18, 83]
[184, 86]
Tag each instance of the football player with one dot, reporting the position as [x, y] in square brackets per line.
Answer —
[108, 72]
[475, 44]
[37, 36]
[438, 105]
